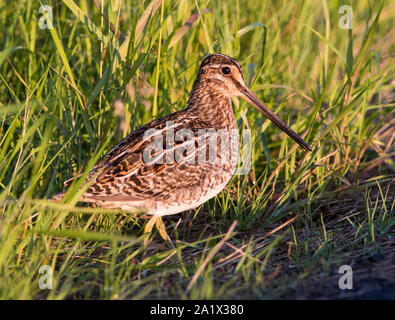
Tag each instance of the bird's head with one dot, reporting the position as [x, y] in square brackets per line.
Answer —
[223, 73]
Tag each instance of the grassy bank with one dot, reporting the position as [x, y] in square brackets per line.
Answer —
[69, 93]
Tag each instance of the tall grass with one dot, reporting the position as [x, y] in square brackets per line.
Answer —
[59, 90]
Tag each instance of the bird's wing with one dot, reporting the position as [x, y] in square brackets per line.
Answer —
[124, 174]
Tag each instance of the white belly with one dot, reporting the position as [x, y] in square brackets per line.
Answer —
[168, 209]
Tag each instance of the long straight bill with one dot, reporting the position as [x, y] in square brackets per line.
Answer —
[252, 99]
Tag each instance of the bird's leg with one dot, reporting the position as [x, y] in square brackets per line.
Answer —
[148, 229]
[160, 226]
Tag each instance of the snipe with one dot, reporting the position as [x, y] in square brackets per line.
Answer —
[172, 164]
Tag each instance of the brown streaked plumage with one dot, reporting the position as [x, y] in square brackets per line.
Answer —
[124, 178]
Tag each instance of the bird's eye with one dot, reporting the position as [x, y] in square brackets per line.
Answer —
[225, 70]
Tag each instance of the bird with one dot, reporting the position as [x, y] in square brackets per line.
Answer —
[176, 163]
